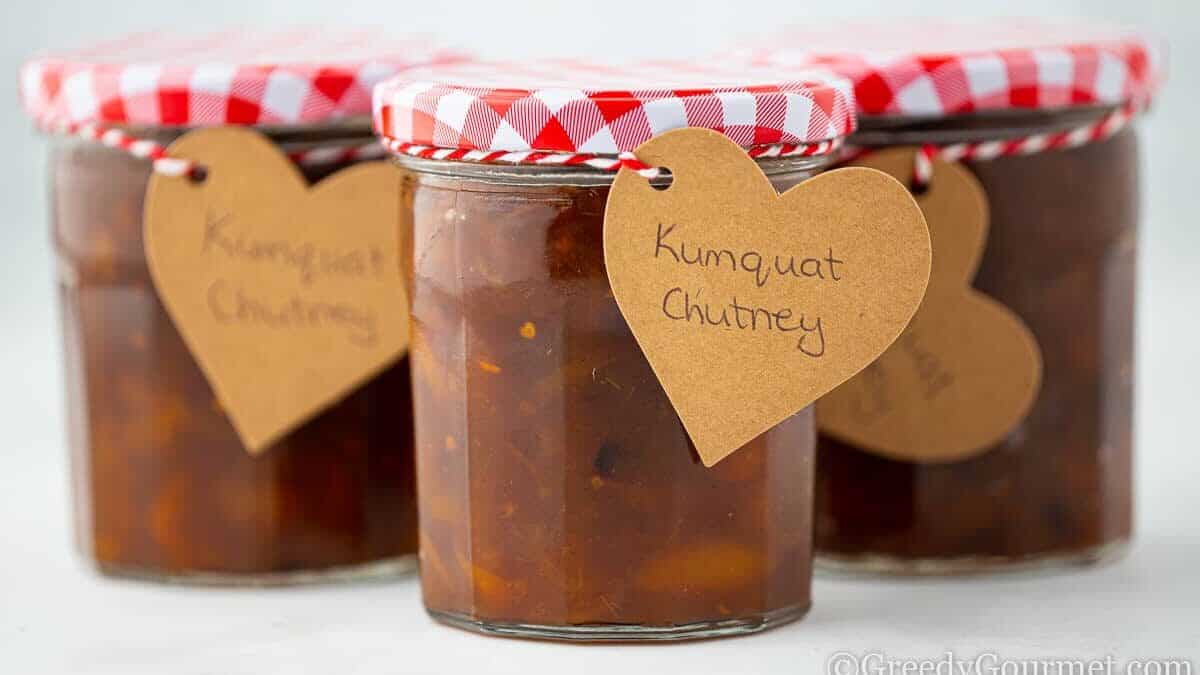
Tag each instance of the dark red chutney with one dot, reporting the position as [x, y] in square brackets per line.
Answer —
[163, 486]
[1062, 254]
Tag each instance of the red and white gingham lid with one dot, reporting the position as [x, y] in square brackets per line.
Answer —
[290, 77]
[576, 107]
[932, 68]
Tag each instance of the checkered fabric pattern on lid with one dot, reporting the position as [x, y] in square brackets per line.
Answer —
[575, 107]
[936, 68]
[253, 78]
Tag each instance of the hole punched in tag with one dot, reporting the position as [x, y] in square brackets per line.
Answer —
[664, 180]
[918, 188]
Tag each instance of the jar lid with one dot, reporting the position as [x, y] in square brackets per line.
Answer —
[253, 78]
[934, 68]
[593, 109]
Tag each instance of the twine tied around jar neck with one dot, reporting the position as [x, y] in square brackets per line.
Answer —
[610, 163]
[1098, 130]
[166, 165]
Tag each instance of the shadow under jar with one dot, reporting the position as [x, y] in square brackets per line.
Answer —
[1061, 253]
[560, 496]
[164, 488]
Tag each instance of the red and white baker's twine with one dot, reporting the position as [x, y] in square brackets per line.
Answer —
[625, 160]
[1103, 128]
[174, 166]
[1099, 130]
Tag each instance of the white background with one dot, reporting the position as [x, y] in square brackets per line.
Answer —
[56, 617]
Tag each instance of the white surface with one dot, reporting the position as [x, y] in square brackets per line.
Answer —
[57, 617]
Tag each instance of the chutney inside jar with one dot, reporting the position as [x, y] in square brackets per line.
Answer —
[1061, 253]
[164, 488]
[560, 496]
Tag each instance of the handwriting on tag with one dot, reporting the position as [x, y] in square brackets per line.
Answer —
[288, 296]
[750, 304]
[967, 369]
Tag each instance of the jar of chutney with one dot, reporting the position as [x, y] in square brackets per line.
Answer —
[164, 486]
[997, 433]
[560, 495]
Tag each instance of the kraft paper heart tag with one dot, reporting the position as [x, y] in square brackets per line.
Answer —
[288, 296]
[750, 304]
[967, 369]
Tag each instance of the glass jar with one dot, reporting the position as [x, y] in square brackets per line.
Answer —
[1061, 253]
[560, 496]
[164, 488]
